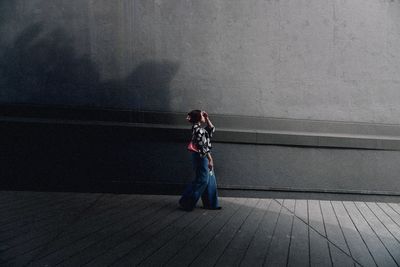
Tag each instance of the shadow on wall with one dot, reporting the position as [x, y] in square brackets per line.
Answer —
[44, 68]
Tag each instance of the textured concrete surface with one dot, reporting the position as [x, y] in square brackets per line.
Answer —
[322, 60]
[118, 158]
[325, 60]
[308, 169]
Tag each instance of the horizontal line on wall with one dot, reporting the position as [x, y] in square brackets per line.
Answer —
[262, 188]
[308, 190]
[230, 129]
[236, 136]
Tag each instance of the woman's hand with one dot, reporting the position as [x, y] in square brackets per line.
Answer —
[207, 119]
[210, 165]
[210, 162]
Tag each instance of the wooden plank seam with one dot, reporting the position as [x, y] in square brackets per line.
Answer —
[329, 241]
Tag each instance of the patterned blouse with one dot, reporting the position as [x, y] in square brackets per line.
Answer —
[202, 138]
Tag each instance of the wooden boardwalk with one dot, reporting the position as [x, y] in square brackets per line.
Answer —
[77, 229]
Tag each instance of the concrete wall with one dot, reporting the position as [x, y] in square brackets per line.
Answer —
[336, 61]
[310, 59]
[77, 155]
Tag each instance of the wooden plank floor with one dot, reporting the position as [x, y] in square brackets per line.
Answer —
[86, 229]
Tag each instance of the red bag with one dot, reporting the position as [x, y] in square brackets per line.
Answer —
[192, 148]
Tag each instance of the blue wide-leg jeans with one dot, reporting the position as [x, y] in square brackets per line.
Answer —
[204, 185]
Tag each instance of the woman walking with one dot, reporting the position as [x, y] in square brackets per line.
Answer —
[204, 185]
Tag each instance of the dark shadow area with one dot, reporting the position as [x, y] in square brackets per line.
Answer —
[44, 68]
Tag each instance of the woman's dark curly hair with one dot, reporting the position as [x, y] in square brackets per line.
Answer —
[195, 116]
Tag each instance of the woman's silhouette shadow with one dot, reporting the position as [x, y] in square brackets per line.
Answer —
[44, 68]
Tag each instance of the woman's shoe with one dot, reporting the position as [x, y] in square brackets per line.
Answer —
[185, 209]
[210, 208]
